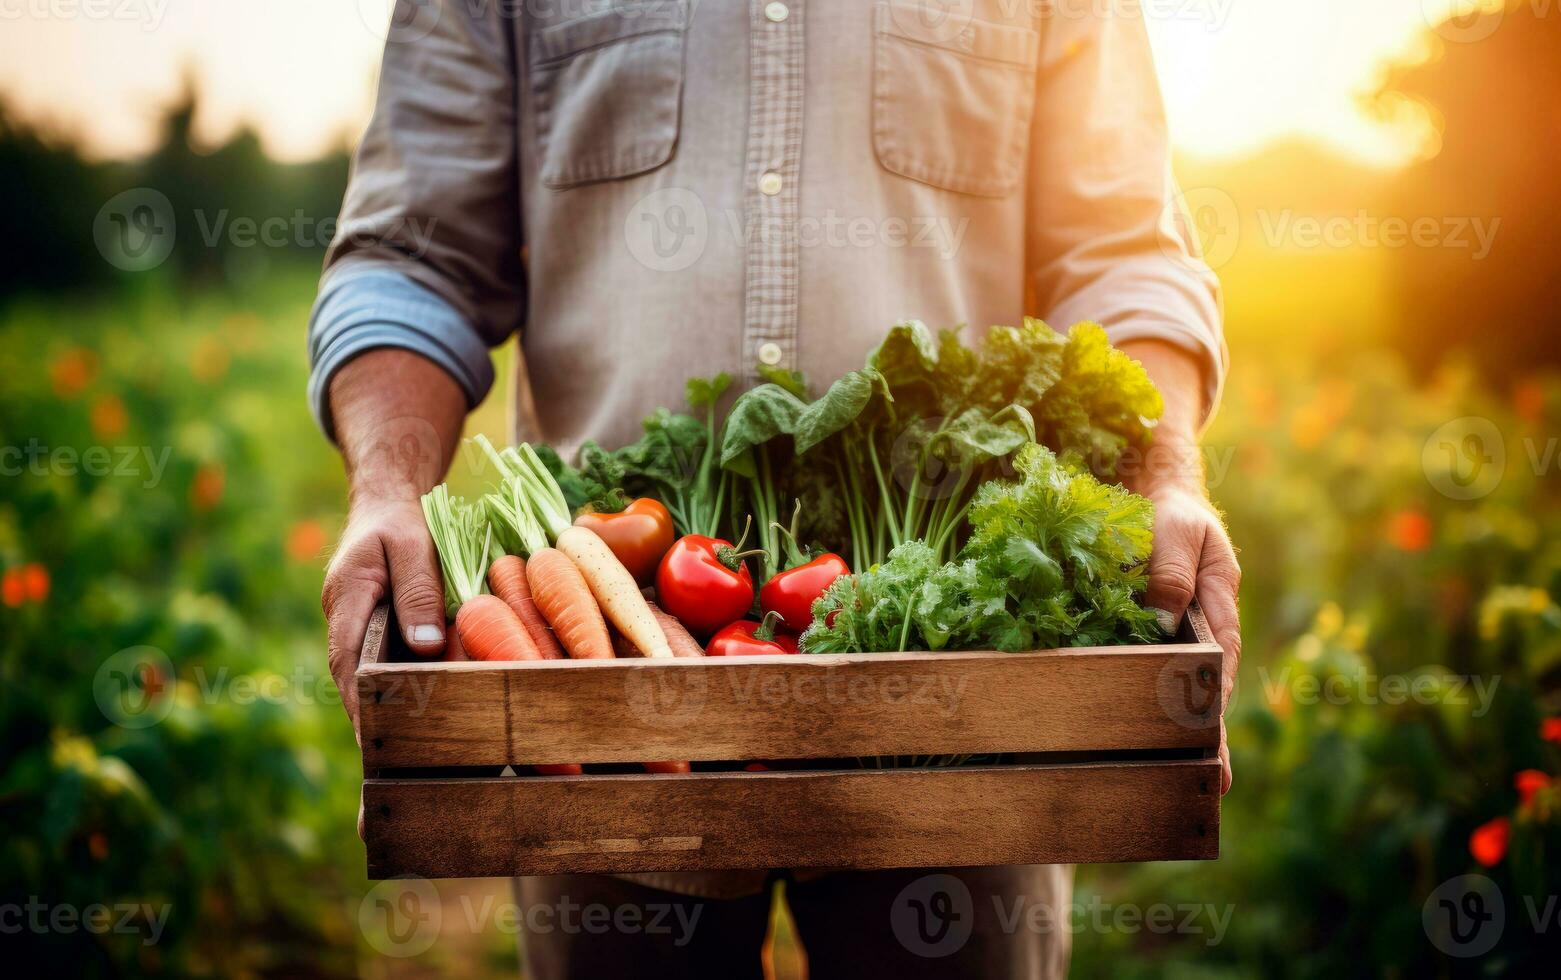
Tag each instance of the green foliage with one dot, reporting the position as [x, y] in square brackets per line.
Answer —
[1055, 558]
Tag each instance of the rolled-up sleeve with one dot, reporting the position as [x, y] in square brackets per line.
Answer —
[1108, 239]
[426, 255]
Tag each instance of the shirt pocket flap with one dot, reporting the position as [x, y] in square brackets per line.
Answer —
[907, 20]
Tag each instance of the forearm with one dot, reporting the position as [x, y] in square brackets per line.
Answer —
[1175, 458]
[398, 420]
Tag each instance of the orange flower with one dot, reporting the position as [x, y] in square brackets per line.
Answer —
[305, 540]
[1410, 530]
[97, 844]
[109, 417]
[1550, 729]
[206, 488]
[1528, 398]
[1528, 782]
[1488, 843]
[72, 371]
[13, 589]
[35, 581]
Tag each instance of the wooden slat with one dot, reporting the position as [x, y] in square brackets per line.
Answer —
[1070, 813]
[826, 706]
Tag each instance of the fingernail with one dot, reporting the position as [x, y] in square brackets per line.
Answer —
[1167, 620]
[425, 635]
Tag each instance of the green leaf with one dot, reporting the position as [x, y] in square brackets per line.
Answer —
[759, 415]
[841, 405]
[705, 392]
[792, 381]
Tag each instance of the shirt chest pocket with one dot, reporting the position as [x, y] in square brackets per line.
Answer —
[607, 91]
[952, 98]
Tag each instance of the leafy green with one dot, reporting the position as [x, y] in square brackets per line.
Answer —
[906, 440]
[1056, 558]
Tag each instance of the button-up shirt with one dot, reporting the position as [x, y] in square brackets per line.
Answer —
[649, 190]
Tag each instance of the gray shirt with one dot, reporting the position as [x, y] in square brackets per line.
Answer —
[649, 190]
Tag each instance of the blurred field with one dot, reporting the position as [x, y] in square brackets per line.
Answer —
[236, 810]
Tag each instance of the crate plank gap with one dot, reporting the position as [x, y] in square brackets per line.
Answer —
[1099, 754]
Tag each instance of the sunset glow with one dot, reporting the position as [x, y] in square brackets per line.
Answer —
[1236, 75]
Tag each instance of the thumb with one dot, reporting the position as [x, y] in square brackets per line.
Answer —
[1173, 573]
[417, 591]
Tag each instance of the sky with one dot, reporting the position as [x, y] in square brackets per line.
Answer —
[1236, 74]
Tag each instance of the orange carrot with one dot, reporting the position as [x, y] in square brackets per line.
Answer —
[566, 602]
[507, 579]
[490, 630]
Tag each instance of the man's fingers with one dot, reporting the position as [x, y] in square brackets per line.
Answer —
[347, 611]
[1219, 580]
[417, 589]
[1173, 573]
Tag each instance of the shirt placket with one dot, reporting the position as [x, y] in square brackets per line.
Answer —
[771, 179]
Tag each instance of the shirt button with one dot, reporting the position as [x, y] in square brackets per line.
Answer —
[770, 184]
[770, 353]
[776, 12]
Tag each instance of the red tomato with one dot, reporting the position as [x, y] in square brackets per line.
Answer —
[639, 535]
[704, 583]
[746, 638]
[791, 593]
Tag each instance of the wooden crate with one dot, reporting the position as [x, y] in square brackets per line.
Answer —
[1090, 755]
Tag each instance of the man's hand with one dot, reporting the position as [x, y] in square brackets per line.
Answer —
[385, 550]
[397, 418]
[1193, 557]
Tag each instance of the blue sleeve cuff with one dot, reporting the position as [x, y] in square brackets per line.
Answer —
[363, 309]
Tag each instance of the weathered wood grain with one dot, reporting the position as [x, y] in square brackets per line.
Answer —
[1025, 814]
[792, 707]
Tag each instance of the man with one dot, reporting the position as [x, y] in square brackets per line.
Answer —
[703, 186]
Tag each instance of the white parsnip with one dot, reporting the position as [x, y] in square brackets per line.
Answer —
[615, 590]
